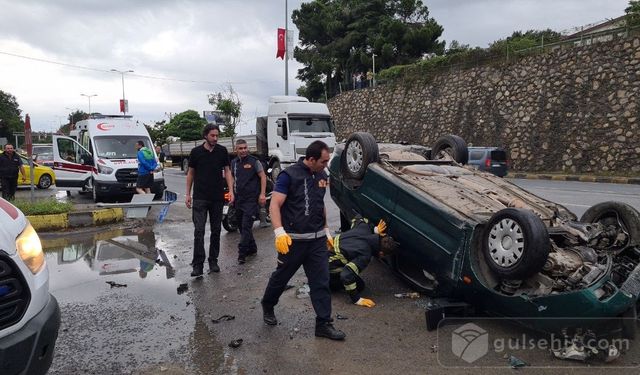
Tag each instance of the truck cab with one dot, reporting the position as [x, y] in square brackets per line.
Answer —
[291, 125]
[101, 157]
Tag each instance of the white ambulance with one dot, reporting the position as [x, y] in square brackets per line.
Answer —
[102, 157]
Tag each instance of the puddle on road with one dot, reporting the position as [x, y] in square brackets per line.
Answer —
[111, 328]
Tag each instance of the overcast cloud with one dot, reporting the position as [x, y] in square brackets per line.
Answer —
[210, 42]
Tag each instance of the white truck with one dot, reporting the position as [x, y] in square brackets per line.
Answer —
[281, 137]
[101, 157]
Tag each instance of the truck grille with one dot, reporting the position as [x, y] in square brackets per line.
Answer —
[127, 175]
[14, 292]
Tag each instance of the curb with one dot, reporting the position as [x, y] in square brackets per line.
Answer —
[80, 219]
[583, 178]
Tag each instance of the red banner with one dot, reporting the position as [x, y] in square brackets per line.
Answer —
[281, 43]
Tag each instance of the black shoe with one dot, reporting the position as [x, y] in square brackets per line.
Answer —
[213, 267]
[269, 316]
[197, 270]
[327, 330]
[242, 259]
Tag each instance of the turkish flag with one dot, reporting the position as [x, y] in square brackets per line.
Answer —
[281, 44]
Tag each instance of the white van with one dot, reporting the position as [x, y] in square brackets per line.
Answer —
[103, 157]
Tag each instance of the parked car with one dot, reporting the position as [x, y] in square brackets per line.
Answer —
[43, 154]
[472, 236]
[489, 159]
[29, 315]
[43, 177]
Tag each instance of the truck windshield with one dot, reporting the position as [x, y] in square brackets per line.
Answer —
[119, 147]
[306, 124]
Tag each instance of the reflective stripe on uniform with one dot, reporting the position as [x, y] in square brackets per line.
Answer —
[350, 287]
[336, 250]
[307, 236]
[353, 268]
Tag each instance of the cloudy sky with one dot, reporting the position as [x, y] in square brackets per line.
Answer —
[182, 50]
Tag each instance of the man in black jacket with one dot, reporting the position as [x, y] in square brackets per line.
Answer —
[351, 253]
[10, 165]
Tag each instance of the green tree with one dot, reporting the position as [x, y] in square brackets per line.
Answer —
[73, 118]
[339, 37]
[186, 125]
[457, 47]
[522, 40]
[10, 116]
[157, 131]
[633, 13]
[229, 105]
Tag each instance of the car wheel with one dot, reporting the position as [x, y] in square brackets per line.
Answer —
[44, 182]
[275, 170]
[94, 191]
[360, 150]
[516, 243]
[620, 219]
[451, 146]
[229, 222]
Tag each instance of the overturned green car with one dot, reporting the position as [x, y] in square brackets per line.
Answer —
[472, 236]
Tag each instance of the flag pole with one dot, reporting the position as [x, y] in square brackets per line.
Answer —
[286, 47]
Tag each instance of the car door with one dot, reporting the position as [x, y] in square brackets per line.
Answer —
[72, 163]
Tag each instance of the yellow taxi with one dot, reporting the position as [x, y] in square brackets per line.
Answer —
[43, 177]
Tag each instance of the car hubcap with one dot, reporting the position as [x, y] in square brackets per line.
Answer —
[506, 243]
[354, 157]
[45, 181]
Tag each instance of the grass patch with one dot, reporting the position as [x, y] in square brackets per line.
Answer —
[43, 207]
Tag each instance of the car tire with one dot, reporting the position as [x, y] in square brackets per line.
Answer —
[275, 170]
[622, 215]
[94, 191]
[360, 150]
[229, 222]
[515, 244]
[453, 145]
[44, 182]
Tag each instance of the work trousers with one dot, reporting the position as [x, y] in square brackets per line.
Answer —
[246, 213]
[9, 186]
[200, 210]
[313, 256]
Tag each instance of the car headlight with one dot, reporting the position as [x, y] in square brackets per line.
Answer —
[104, 170]
[30, 249]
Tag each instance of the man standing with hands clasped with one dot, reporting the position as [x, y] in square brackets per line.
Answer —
[250, 183]
[299, 220]
[207, 163]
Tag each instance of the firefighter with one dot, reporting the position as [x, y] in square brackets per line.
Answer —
[351, 253]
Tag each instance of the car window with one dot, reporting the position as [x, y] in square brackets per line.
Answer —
[476, 155]
[310, 124]
[498, 155]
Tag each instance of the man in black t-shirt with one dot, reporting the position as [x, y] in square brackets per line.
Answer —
[10, 165]
[207, 163]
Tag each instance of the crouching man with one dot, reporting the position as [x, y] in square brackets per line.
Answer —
[351, 253]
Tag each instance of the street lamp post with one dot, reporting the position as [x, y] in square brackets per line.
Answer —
[89, 97]
[123, 72]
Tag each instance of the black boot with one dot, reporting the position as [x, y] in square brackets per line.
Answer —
[197, 270]
[213, 266]
[327, 330]
[269, 316]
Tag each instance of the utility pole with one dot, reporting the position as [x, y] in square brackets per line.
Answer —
[124, 102]
[89, 97]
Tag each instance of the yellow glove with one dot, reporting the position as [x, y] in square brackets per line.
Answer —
[283, 241]
[329, 238]
[365, 302]
[381, 228]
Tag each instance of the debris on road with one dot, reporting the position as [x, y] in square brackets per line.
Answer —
[434, 348]
[412, 295]
[116, 285]
[303, 291]
[183, 288]
[223, 318]
[579, 351]
[341, 317]
[515, 362]
[235, 343]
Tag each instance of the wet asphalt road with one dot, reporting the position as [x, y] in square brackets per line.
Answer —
[148, 328]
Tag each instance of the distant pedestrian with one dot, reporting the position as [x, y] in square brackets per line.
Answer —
[299, 220]
[249, 187]
[161, 155]
[146, 165]
[208, 163]
[10, 165]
